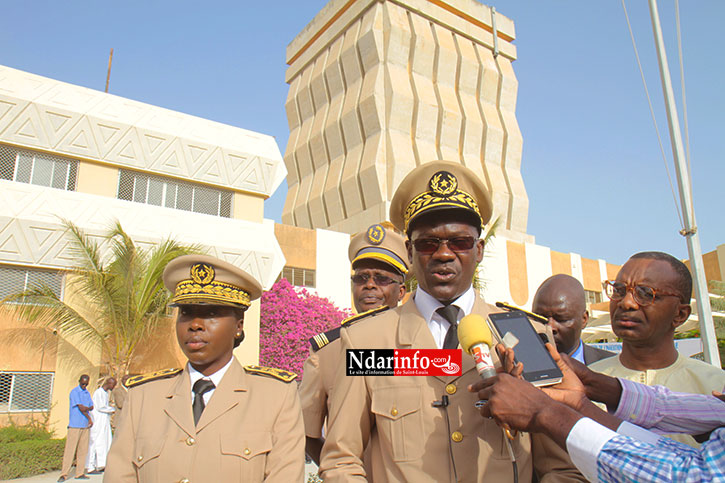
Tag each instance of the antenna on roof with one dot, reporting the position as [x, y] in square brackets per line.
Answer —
[108, 76]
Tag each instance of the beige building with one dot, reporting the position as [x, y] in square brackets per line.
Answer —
[379, 87]
[90, 157]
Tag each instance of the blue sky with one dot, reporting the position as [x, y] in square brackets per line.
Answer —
[591, 163]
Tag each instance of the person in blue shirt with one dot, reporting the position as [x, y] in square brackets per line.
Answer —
[79, 424]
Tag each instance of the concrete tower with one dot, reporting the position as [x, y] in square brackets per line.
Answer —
[378, 87]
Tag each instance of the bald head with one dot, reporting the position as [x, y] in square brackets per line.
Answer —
[561, 299]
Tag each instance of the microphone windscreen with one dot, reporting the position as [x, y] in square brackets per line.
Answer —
[472, 330]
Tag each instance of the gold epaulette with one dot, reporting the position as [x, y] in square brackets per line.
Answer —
[281, 374]
[323, 338]
[512, 308]
[151, 376]
[357, 318]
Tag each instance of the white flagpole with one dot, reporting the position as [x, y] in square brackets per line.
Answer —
[707, 328]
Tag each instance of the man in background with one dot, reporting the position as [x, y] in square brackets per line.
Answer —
[379, 262]
[100, 434]
[79, 424]
[561, 299]
[649, 299]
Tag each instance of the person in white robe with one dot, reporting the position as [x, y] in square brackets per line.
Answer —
[100, 437]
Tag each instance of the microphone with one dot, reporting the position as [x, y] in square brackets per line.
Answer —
[475, 338]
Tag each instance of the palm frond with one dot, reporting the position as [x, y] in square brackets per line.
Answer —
[41, 307]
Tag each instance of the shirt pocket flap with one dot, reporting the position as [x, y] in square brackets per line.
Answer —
[247, 445]
[394, 402]
[147, 450]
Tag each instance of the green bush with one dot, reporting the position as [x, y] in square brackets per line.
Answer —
[31, 457]
[15, 434]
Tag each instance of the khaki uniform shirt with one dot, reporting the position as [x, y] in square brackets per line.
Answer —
[251, 430]
[409, 438]
[318, 379]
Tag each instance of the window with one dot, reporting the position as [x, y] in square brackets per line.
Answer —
[25, 391]
[180, 195]
[15, 280]
[37, 168]
[300, 277]
[593, 297]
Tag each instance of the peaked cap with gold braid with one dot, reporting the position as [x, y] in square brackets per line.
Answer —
[439, 185]
[201, 279]
[381, 243]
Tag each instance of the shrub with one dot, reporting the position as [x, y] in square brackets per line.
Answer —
[30, 457]
[31, 431]
[289, 317]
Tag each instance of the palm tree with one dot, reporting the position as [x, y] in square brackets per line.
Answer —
[121, 293]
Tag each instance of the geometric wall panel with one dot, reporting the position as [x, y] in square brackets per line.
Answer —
[33, 235]
[44, 113]
[378, 87]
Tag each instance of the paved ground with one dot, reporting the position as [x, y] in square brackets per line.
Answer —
[53, 477]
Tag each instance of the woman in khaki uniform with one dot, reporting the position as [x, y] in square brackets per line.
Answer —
[213, 420]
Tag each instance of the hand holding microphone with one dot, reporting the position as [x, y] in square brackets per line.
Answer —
[475, 338]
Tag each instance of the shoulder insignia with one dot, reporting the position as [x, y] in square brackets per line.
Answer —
[281, 374]
[531, 315]
[151, 376]
[323, 338]
[357, 318]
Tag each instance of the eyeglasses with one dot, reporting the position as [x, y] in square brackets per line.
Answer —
[457, 244]
[642, 294]
[380, 280]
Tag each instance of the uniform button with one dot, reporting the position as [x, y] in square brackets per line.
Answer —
[139, 458]
[451, 388]
[185, 480]
[246, 451]
[394, 411]
[457, 436]
[190, 441]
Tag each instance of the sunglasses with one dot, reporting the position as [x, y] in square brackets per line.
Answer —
[642, 294]
[428, 246]
[380, 280]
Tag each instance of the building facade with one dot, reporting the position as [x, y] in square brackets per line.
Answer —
[68, 152]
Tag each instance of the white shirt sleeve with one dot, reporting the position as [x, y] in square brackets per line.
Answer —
[634, 431]
[584, 443]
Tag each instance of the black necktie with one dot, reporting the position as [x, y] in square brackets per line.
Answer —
[200, 387]
[450, 313]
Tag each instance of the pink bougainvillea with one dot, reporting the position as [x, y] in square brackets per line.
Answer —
[289, 317]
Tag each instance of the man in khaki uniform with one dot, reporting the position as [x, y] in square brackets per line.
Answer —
[426, 429]
[213, 420]
[379, 262]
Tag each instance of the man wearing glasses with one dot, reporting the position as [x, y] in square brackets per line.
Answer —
[379, 263]
[426, 428]
[649, 299]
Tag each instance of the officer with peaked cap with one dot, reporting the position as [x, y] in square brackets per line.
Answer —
[379, 263]
[442, 207]
[213, 420]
